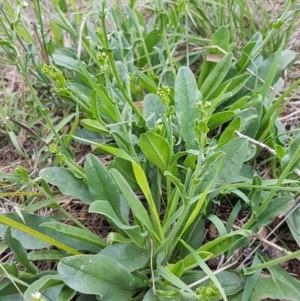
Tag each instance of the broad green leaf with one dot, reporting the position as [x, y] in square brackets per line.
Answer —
[186, 98]
[230, 281]
[289, 154]
[239, 104]
[232, 85]
[75, 232]
[220, 39]
[99, 275]
[217, 246]
[286, 287]
[19, 252]
[121, 141]
[218, 224]
[134, 232]
[228, 133]
[177, 269]
[215, 77]
[133, 201]
[236, 151]
[124, 167]
[123, 73]
[101, 184]
[141, 180]
[294, 225]
[66, 58]
[67, 183]
[194, 236]
[129, 255]
[156, 150]
[87, 137]
[94, 126]
[153, 109]
[220, 118]
[149, 84]
[46, 255]
[32, 236]
[151, 40]
[250, 122]
[42, 284]
[210, 161]
[80, 97]
[150, 296]
[210, 170]
[245, 58]
[255, 195]
[85, 297]
[66, 294]
[10, 269]
[275, 207]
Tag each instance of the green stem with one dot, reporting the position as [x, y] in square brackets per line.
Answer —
[264, 129]
[273, 262]
[102, 18]
[168, 51]
[40, 106]
[197, 171]
[250, 186]
[124, 128]
[268, 37]
[121, 85]
[39, 17]
[171, 142]
[113, 66]
[282, 177]
[70, 217]
[143, 41]
[64, 212]
[168, 243]
[75, 167]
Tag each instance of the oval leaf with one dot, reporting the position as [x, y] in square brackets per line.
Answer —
[67, 183]
[156, 150]
[187, 96]
[130, 255]
[101, 184]
[99, 275]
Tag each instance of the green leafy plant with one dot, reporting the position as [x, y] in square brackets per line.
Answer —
[194, 143]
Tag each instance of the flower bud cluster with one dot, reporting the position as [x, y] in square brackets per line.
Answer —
[55, 75]
[208, 293]
[102, 58]
[53, 148]
[163, 93]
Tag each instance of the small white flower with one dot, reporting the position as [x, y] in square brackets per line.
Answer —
[37, 296]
